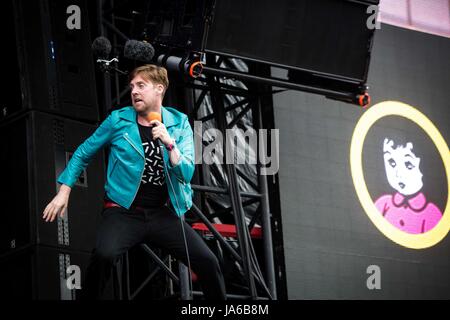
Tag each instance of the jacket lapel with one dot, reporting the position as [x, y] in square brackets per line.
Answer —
[168, 118]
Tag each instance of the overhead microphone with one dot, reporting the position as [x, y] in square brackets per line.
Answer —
[139, 50]
[101, 48]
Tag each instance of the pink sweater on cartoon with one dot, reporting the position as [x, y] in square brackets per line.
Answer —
[412, 215]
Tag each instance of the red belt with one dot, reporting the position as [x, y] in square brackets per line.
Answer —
[108, 204]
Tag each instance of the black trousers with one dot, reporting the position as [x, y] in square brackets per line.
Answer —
[121, 229]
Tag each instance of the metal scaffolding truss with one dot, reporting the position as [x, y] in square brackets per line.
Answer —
[230, 101]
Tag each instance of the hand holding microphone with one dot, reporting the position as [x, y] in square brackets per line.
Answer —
[159, 131]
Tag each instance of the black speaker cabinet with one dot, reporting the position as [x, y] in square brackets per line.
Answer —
[35, 149]
[10, 89]
[43, 273]
[55, 59]
[330, 37]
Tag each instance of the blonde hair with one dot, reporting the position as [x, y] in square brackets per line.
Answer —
[153, 73]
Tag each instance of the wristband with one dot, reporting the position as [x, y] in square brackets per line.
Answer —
[171, 146]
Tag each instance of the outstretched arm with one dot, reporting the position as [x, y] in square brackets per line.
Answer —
[76, 165]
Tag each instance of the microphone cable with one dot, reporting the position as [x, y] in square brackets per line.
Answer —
[182, 228]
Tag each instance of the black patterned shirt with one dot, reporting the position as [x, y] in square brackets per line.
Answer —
[152, 190]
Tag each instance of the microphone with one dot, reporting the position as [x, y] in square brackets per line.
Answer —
[101, 47]
[155, 116]
[138, 50]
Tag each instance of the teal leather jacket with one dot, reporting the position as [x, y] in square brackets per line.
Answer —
[126, 158]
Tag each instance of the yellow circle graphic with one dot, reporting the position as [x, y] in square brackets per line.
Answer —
[372, 115]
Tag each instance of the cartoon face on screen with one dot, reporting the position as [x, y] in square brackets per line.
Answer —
[402, 168]
[407, 208]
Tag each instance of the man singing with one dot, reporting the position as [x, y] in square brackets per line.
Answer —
[147, 189]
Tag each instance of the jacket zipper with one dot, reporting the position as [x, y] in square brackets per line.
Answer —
[182, 190]
[171, 185]
[184, 195]
[132, 144]
[143, 169]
